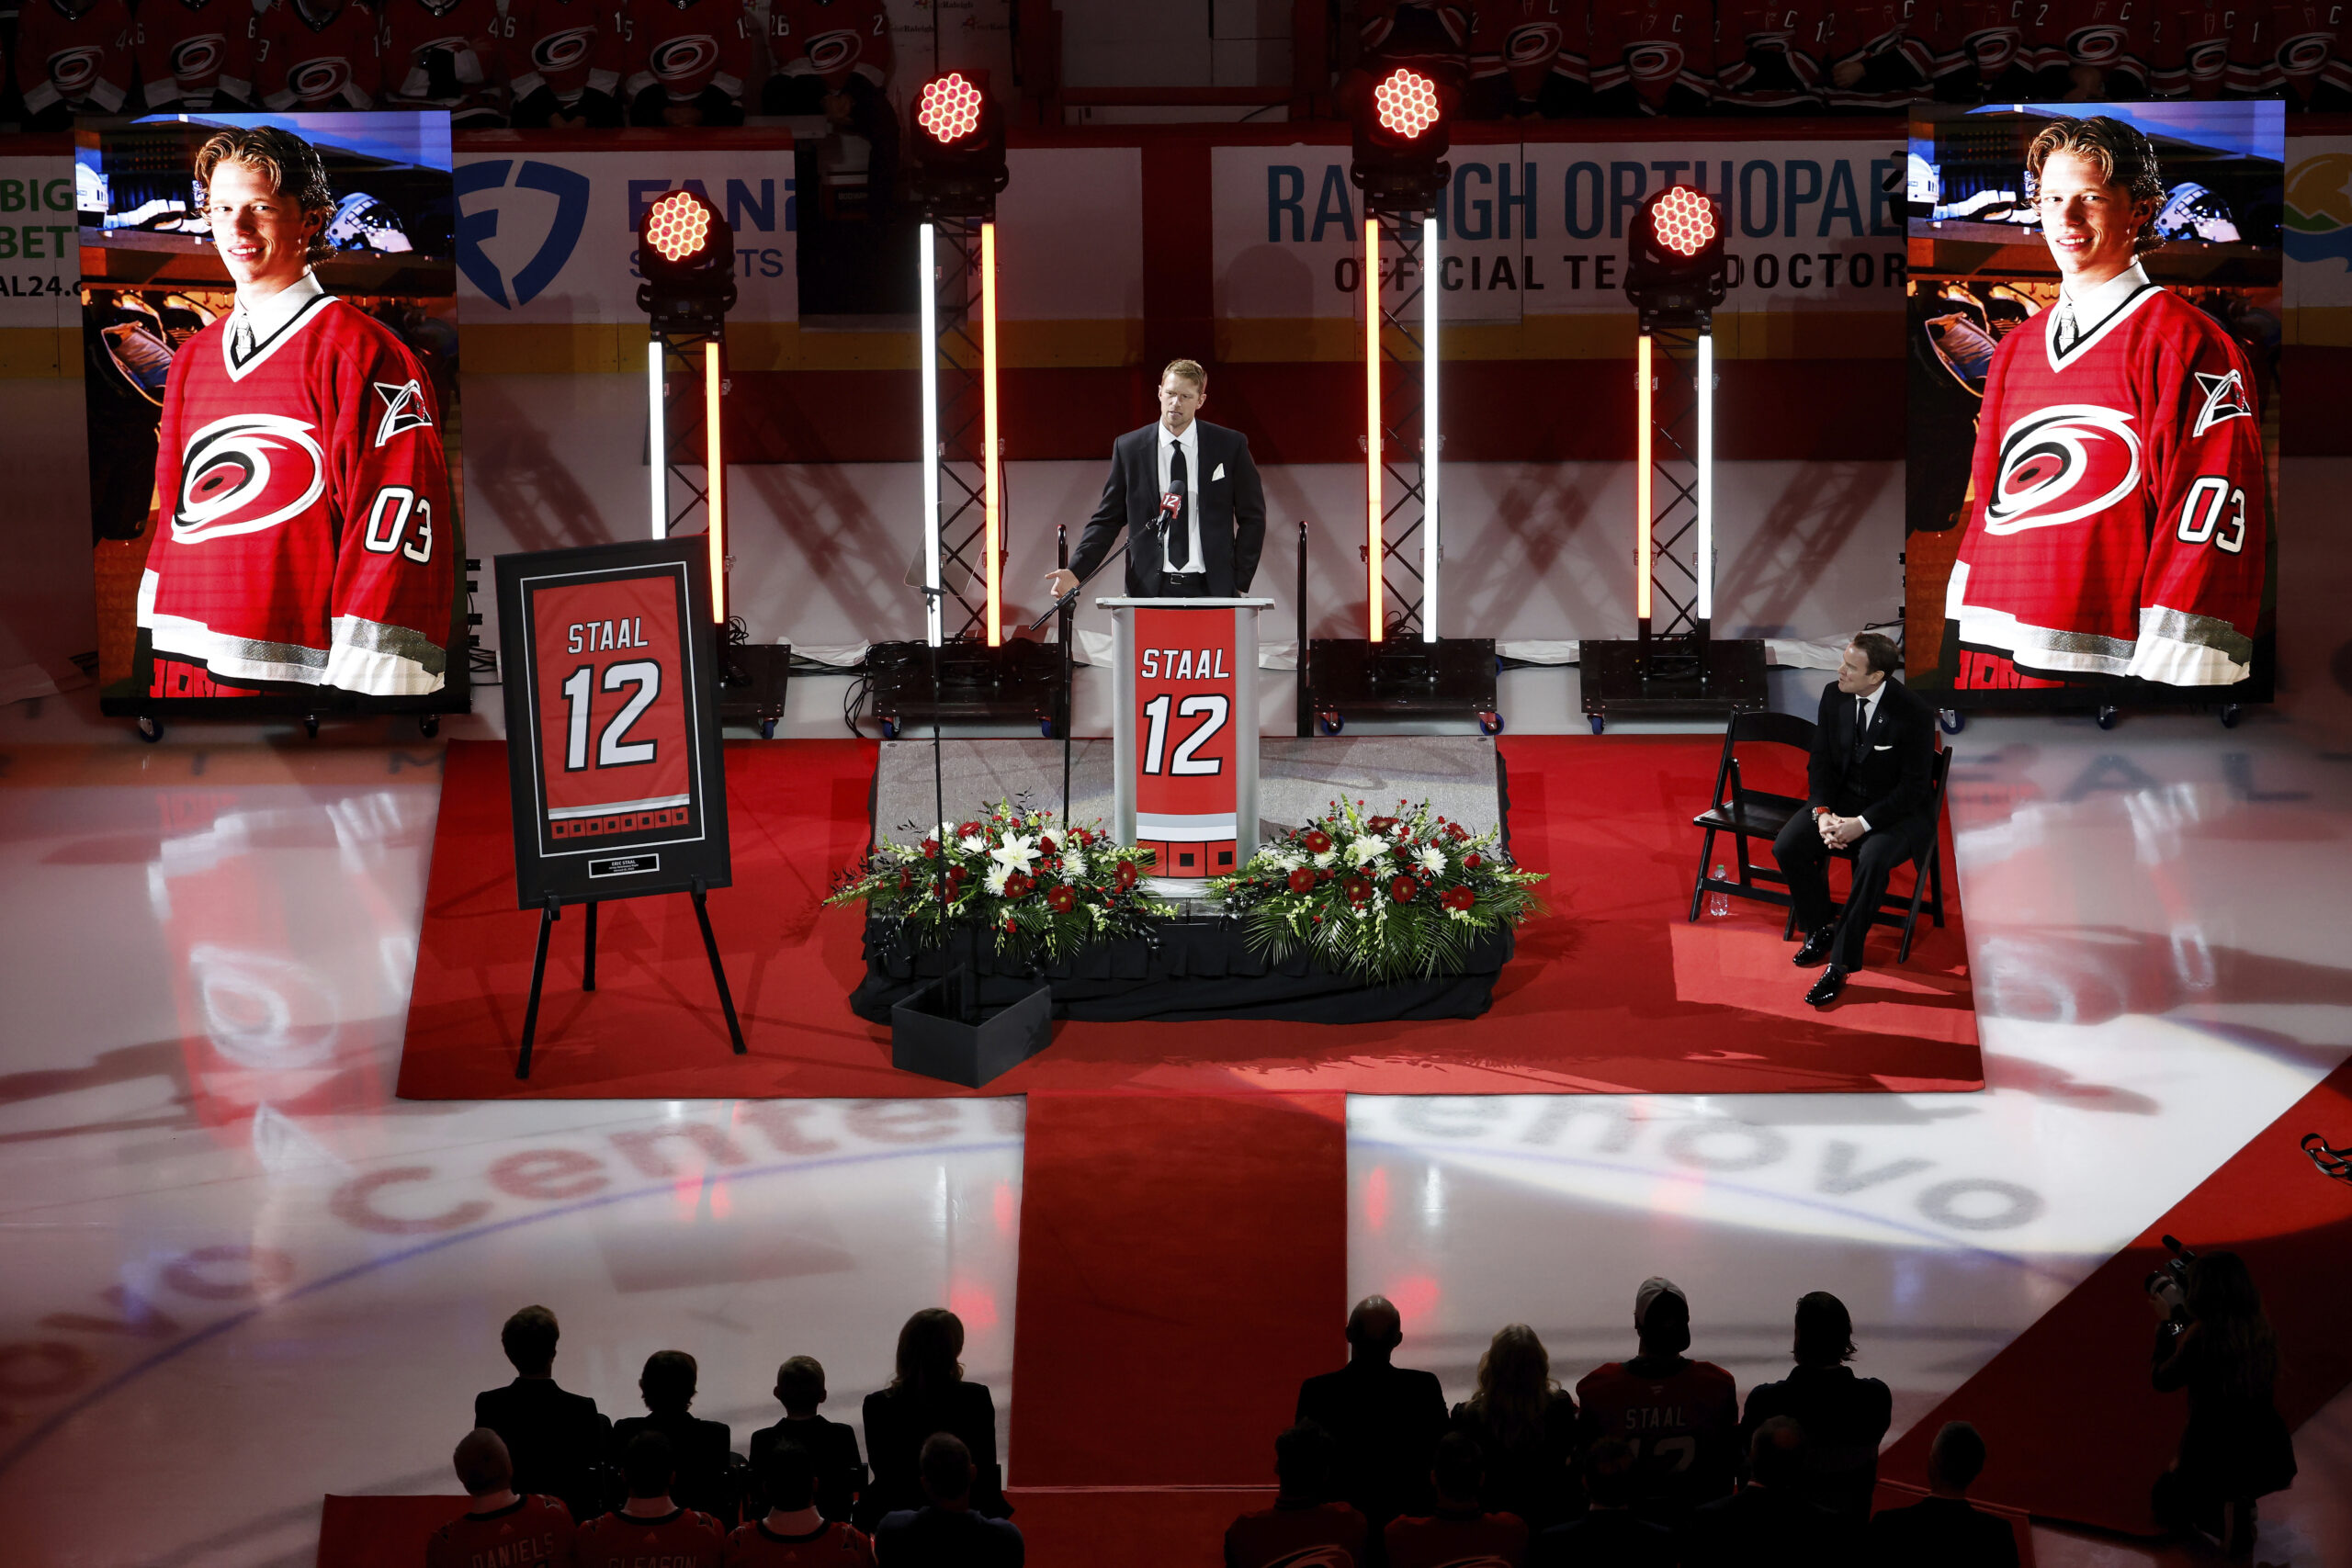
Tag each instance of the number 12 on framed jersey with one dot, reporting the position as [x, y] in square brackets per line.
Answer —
[610, 663]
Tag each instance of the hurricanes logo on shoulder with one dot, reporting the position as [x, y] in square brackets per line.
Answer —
[72, 72]
[2096, 46]
[562, 52]
[199, 58]
[2226, 399]
[403, 410]
[2061, 464]
[1529, 43]
[685, 59]
[1994, 48]
[835, 50]
[1654, 61]
[316, 80]
[245, 473]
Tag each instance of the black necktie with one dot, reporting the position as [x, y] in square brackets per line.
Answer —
[1180, 542]
[1861, 729]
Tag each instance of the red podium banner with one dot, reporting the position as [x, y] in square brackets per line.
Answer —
[1185, 737]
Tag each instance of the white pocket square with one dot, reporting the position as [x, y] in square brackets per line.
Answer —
[1882, 748]
[1218, 475]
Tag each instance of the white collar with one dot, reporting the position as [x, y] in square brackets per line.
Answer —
[2090, 304]
[274, 312]
[1170, 438]
[1870, 699]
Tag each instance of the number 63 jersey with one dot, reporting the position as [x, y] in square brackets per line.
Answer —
[2118, 519]
[303, 532]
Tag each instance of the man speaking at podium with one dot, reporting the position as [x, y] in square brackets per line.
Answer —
[1187, 496]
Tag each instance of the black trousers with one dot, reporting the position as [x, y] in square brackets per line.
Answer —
[1805, 861]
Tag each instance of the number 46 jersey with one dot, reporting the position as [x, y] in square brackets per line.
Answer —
[304, 530]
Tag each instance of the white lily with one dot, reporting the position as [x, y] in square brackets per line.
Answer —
[1016, 854]
[1325, 861]
[1365, 851]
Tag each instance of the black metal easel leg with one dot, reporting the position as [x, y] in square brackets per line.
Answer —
[717, 972]
[588, 967]
[549, 915]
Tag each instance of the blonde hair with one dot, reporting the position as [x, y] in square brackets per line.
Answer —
[1515, 1384]
[2124, 156]
[1189, 370]
[293, 166]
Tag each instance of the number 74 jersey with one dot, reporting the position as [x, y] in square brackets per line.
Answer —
[2118, 515]
[303, 534]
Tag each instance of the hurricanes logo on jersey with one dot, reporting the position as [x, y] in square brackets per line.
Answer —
[314, 81]
[403, 410]
[72, 70]
[1531, 41]
[1654, 61]
[245, 473]
[2060, 464]
[199, 58]
[685, 59]
[1994, 48]
[2226, 399]
[2097, 46]
[562, 52]
[832, 51]
[2302, 55]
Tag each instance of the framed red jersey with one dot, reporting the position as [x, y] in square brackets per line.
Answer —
[612, 721]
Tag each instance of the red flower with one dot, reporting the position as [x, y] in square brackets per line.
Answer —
[931, 849]
[1302, 881]
[1020, 884]
[1317, 841]
[1061, 900]
[1459, 898]
[1403, 889]
[1471, 862]
[1455, 831]
[906, 880]
[1381, 824]
[965, 830]
[1046, 845]
[1403, 852]
[957, 876]
[1357, 888]
[1011, 924]
[1126, 875]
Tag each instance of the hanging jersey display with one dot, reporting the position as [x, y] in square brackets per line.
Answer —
[831, 40]
[75, 59]
[196, 53]
[316, 58]
[443, 54]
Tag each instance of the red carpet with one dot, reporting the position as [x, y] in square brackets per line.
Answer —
[2073, 1428]
[1612, 993]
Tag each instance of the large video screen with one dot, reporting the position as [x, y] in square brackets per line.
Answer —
[270, 374]
[2093, 342]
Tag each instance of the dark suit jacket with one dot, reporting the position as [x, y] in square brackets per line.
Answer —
[1843, 1415]
[897, 1423]
[1941, 1532]
[1388, 1420]
[1605, 1538]
[552, 1436]
[841, 1472]
[1765, 1526]
[946, 1538]
[1890, 784]
[702, 1450]
[1232, 511]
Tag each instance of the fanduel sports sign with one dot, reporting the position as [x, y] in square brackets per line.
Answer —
[551, 236]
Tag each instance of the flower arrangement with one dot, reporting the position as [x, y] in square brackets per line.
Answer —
[1042, 890]
[1379, 898]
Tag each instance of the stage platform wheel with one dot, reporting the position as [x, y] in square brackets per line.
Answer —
[2106, 718]
[1599, 723]
[1046, 728]
[767, 729]
[149, 729]
[889, 729]
[1330, 721]
[310, 725]
[2229, 715]
[1952, 720]
[1490, 724]
[428, 725]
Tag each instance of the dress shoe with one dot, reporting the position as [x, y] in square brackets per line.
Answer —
[1827, 990]
[1816, 946]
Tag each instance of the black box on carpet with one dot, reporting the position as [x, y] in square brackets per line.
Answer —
[928, 1034]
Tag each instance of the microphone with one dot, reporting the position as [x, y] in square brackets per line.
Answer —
[1170, 503]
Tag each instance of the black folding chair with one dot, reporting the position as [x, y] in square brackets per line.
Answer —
[1750, 813]
[1927, 867]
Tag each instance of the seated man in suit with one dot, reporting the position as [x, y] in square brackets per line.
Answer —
[702, 1452]
[1769, 1523]
[1945, 1530]
[553, 1438]
[1867, 785]
[1185, 495]
[1387, 1419]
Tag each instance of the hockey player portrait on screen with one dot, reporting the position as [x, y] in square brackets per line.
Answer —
[2117, 514]
[304, 535]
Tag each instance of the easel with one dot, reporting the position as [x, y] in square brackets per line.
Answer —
[552, 911]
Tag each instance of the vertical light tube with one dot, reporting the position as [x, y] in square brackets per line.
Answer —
[1429, 449]
[656, 439]
[715, 474]
[927, 352]
[989, 508]
[1706, 476]
[1373, 552]
[1642, 478]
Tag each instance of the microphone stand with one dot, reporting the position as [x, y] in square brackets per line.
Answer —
[1067, 608]
[965, 1006]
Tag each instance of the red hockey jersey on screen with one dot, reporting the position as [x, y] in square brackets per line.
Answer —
[685, 1538]
[1431, 36]
[1890, 41]
[569, 47]
[2286, 47]
[78, 56]
[832, 40]
[191, 49]
[2189, 49]
[686, 46]
[1769, 52]
[1528, 42]
[2111, 35]
[835, 1546]
[1985, 40]
[308, 57]
[304, 532]
[1661, 55]
[1684, 1428]
[2118, 526]
[442, 54]
[530, 1532]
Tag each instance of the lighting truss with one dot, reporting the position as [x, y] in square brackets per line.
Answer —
[963, 491]
[1404, 333]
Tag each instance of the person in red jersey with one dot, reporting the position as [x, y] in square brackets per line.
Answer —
[2189, 49]
[317, 54]
[1982, 52]
[1460, 1534]
[1302, 1529]
[303, 535]
[1529, 57]
[1680, 1416]
[1652, 57]
[794, 1534]
[2119, 513]
[443, 54]
[500, 1528]
[73, 57]
[688, 61]
[2290, 48]
[563, 63]
[1769, 52]
[195, 55]
[651, 1529]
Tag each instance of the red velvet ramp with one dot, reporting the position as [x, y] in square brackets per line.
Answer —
[2074, 1430]
[1612, 993]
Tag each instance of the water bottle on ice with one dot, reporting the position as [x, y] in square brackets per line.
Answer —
[1718, 903]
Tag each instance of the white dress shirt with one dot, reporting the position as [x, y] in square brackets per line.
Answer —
[1870, 712]
[265, 316]
[1194, 479]
[2083, 308]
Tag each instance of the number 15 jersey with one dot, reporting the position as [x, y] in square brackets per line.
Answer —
[304, 530]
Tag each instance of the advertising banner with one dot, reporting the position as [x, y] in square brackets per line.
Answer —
[40, 249]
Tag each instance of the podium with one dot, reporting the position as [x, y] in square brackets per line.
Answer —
[1184, 731]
